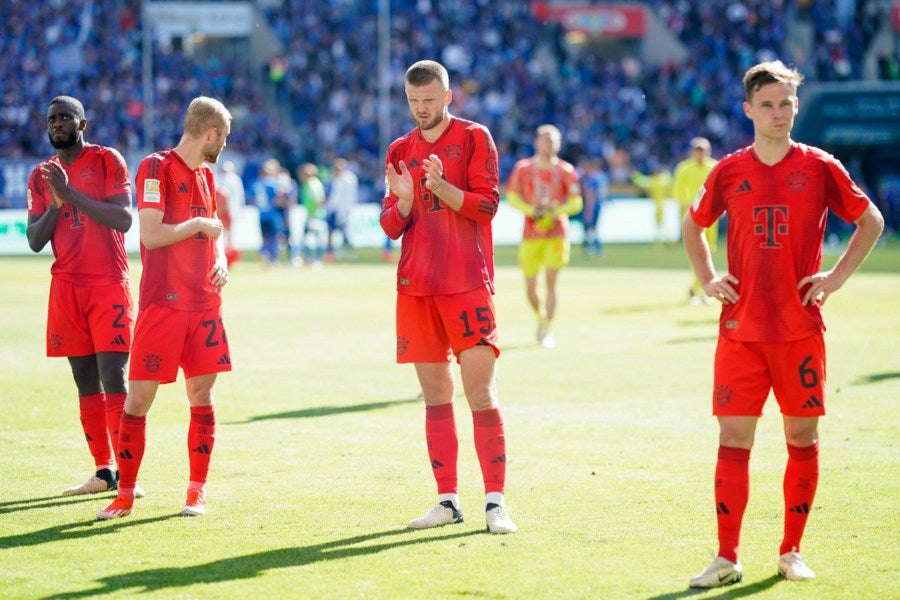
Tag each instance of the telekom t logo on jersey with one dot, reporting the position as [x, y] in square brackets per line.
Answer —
[198, 211]
[771, 223]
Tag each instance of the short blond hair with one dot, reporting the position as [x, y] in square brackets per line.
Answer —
[204, 112]
[551, 130]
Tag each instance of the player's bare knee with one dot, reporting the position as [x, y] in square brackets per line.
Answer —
[138, 405]
[482, 401]
[801, 432]
[200, 390]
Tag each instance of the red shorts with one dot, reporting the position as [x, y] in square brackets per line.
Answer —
[746, 371]
[84, 320]
[165, 339]
[430, 328]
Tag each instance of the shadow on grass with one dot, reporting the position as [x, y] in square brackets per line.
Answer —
[253, 565]
[73, 531]
[876, 378]
[48, 502]
[325, 411]
[733, 591]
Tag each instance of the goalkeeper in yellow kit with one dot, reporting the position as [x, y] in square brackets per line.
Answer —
[547, 190]
[690, 175]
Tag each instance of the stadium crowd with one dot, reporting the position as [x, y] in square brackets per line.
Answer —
[319, 99]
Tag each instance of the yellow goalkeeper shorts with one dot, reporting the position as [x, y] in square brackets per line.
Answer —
[543, 253]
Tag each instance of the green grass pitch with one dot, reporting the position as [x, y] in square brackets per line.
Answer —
[320, 458]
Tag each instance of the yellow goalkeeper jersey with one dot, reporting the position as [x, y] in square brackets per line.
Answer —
[689, 177]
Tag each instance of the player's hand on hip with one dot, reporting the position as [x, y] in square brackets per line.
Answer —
[818, 288]
[723, 289]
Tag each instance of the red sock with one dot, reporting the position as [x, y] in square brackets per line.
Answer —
[201, 437]
[93, 423]
[732, 493]
[800, 480]
[132, 441]
[490, 445]
[115, 406]
[443, 446]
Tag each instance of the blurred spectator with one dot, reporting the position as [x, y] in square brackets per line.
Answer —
[230, 198]
[285, 201]
[595, 186]
[342, 197]
[265, 190]
[312, 197]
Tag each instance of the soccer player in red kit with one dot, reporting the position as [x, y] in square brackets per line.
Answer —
[777, 193]
[442, 193]
[179, 321]
[80, 202]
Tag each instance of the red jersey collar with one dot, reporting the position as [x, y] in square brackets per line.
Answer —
[794, 145]
[451, 121]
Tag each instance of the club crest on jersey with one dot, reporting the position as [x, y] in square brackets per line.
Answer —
[490, 165]
[151, 191]
[453, 152]
[152, 362]
[723, 395]
[797, 180]
[87, 173]
[402, 344]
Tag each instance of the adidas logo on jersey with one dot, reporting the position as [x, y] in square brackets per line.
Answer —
[744, 187]
[224, 360]
[413, 163]
[183, 188]
[118, 341]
